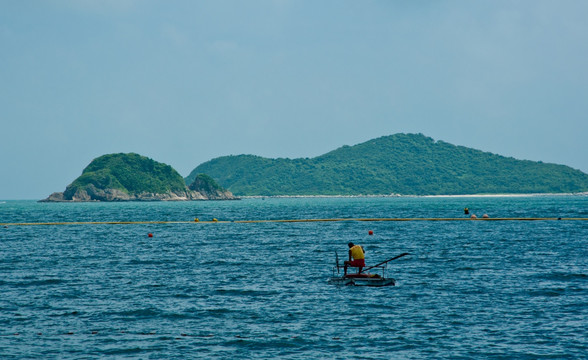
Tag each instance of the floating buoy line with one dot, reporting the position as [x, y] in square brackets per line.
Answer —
[215, 221]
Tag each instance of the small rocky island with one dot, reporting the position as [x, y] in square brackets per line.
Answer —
[132, 177]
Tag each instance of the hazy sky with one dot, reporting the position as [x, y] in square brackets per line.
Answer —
[183, 82]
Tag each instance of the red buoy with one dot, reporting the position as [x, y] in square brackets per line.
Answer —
[371, 232]
[150, 235]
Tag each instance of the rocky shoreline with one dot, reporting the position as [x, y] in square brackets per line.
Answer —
[93, 194]
[132, 177]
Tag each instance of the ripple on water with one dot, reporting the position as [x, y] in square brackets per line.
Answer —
[469, 289]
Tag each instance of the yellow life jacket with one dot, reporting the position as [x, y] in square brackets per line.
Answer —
[357, 252]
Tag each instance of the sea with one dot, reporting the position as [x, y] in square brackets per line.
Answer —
[195, 280]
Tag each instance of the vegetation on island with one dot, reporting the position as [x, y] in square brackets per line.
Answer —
[206, 186]
[130, 173]
[408, 164]
[127, 177]
[205, 183]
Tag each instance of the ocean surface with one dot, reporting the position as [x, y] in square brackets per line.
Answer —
[470, 289]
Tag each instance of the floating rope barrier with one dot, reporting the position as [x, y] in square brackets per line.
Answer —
[215, 221]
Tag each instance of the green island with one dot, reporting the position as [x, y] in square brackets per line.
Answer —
[404, 164]
[400, 164]
[132, 177]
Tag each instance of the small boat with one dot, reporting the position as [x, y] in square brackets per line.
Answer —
[364, 278]
[373, 280]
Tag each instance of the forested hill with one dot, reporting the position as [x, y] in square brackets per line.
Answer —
[409, 164]
[131, 177]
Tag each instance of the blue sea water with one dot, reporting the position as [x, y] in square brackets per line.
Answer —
[469, 289]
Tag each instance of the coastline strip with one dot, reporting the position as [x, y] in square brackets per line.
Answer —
[281, 221]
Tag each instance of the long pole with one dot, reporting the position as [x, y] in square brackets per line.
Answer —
[383, 262]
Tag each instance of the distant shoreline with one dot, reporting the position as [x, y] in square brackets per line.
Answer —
[3, 201]
[410, 196]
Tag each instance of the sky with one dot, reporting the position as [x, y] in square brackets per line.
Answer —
[183, 82]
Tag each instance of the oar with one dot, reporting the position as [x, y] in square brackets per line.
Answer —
[383, 262]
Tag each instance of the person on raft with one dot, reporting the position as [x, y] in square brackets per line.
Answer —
[358, 254]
